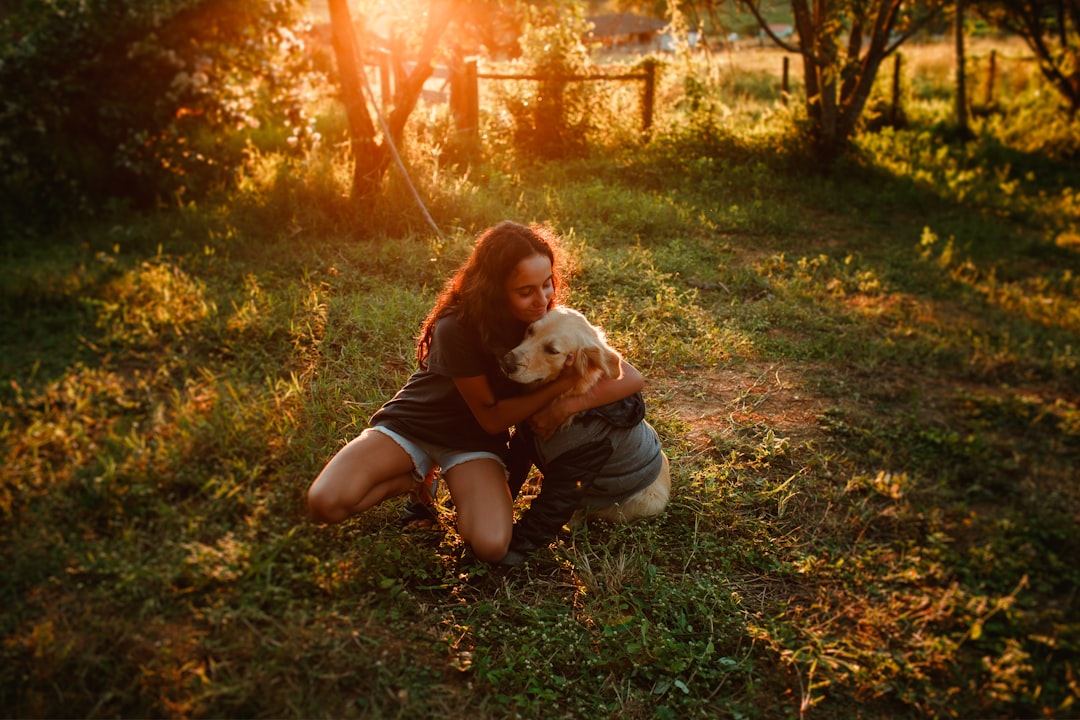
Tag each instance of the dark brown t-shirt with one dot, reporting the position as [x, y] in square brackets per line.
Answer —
[430, 408]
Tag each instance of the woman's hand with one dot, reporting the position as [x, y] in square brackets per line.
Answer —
[546, 421]
[496, 415]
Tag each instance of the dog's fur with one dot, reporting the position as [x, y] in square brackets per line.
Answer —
[565, 338]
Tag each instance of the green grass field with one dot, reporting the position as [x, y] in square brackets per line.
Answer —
[866, 379]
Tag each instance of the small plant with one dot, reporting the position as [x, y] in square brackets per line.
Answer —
[553, 115]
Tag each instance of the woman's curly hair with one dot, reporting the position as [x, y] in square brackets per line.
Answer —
[477, 290]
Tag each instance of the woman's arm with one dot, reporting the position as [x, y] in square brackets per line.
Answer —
[548, 419]
[494, 415]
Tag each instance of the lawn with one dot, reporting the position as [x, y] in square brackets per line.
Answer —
[866, 378]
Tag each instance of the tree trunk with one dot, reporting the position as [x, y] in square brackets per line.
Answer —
[440, 13]
[368, 166]
[838, 82]
[371, 159]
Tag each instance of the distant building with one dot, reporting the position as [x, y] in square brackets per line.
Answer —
[780, 31]
[626, 30]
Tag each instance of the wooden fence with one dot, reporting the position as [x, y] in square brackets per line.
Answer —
[463, 80]
[465, 90]
[464, 83]
[993, 72]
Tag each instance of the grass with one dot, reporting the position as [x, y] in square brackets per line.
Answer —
[865, 379]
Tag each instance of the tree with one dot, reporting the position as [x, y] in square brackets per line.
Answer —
[1051, 28]
[371, 157]
[842, 44]
[552, 117]
[139, 99]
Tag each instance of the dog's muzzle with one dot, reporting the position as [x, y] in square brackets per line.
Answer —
[509, 363]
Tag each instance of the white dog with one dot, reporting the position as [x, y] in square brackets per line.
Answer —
[605, 462]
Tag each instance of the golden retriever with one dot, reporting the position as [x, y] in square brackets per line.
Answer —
[565, 338]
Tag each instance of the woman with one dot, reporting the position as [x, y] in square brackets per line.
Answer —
[455, 412]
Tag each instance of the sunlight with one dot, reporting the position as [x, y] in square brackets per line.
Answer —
[393, 18]
[386, 18]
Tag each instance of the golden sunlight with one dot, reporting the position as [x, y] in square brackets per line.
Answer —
[385, 17]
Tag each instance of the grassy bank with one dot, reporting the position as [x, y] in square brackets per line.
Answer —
[865, 379]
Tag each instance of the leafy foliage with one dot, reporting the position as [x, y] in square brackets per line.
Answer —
[144, 100]
[552, 116]
[842, 45]
[1051, 28]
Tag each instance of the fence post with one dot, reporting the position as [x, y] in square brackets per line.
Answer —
[456, 77]
[894, 111]
[648, 96]
[784, 81]
[990, 78]
[464, 95]
[471, 101]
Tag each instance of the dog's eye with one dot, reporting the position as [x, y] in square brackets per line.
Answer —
[552, 350]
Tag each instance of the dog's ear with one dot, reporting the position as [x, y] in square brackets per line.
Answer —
[601, 356]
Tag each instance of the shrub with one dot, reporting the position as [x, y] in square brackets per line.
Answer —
[143, 100]
[552, 116]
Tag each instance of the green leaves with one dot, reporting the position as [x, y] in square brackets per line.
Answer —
[141, 100]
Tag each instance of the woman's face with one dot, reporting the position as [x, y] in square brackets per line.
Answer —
[530, 287]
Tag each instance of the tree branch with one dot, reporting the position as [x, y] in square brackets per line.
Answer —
[408, 93]
[764, 25]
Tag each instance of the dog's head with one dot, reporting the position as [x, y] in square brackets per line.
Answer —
[562, 338]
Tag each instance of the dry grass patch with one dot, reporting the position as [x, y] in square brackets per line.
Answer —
[714, 402]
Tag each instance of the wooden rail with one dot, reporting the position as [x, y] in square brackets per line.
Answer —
[464, 80]
[465, 90]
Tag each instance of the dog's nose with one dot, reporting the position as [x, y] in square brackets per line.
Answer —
[509, 364]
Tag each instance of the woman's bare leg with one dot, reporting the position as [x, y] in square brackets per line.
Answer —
[485, 511]
[370, 469]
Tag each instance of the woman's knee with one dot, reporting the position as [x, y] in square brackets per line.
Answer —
[491, 545]
[369, 469]
[340, 485]
[322, 505]
[488, 536]
[484, 509]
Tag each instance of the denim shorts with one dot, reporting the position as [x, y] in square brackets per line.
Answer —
[428, 456]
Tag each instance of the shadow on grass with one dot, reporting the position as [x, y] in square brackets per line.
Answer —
[903, 558]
